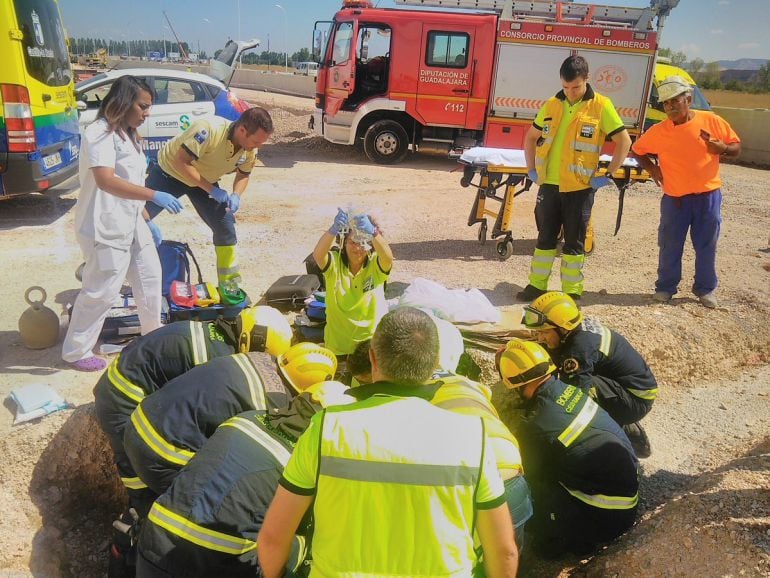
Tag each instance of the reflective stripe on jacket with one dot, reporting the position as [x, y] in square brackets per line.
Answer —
[582, 143]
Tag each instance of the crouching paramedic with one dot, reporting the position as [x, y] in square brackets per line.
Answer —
[169, 426]
[193, 162]
[152, 360]
[206, 523]
[579, 463]
[597, 359]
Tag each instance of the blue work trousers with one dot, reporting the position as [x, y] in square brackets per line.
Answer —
[700, 214]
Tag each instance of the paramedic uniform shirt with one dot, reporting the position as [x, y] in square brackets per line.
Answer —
[214, 154]
[100, 216]
[354, 303]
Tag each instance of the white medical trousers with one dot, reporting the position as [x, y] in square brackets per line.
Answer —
[106, 268]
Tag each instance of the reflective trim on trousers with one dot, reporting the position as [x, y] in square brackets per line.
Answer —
[540, 268]
[399, 473]
[603, 501]
[156, 443]
[579, 424]
[254, 381]
[648, 394]
[122, 384]
[197, 534]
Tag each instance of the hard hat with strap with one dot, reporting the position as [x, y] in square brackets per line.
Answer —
[306, 364]
[263, 328]
[522, 362]
[554, 308]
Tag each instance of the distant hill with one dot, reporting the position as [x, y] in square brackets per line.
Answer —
[742, 64]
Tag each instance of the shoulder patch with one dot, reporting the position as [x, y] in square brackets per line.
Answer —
[201, 136]
[570, 365]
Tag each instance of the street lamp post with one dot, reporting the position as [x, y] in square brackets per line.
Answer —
[285, 37]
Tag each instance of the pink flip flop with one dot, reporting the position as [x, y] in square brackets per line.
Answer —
[92, 363]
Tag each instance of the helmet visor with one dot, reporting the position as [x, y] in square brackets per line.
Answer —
[534, 318]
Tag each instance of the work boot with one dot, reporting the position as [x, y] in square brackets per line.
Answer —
[661, 296]
[709, 300]
[639, 440]
[529, 293]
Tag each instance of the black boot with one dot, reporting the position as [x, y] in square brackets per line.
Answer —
[639, 440]
[529, 293]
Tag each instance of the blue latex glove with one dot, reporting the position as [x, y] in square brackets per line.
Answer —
[157, 236]
[364, 224]
[219, 195]
[340, 223]
[234, 203]
[167, 201]
[599, 182]
[532, 174]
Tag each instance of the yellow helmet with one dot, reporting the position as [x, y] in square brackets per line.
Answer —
[306, 364]
[554, 308]
[263, 328]
[522, 362]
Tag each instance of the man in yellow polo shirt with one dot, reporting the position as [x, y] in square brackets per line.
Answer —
[399, 486]
[562, 149]
[193, 162]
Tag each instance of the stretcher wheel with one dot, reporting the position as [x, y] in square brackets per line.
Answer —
[483, 232]
[504, 248]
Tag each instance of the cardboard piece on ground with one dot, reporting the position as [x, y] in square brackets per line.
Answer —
[491, 336]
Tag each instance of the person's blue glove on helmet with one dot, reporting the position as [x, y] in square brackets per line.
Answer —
[234, 203]
[364, 224]
[599, 182]
[219, 195]
[340, 224]
[167, 201]
[157, 236]
[532, 174]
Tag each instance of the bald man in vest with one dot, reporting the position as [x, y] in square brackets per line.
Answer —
[562, 149]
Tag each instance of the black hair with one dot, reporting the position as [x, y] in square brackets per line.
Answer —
[119, 100]
[358, 362]
[573, 67]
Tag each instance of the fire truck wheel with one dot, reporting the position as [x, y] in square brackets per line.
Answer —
[386, 142]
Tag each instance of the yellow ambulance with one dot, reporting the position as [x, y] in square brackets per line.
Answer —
[39, 139]
[664, 69]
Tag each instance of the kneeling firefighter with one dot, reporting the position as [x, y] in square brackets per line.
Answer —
[207, 521]
[580, 465]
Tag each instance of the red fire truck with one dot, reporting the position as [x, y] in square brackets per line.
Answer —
[397, 79]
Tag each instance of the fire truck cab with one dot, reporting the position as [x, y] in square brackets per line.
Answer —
[395, 79]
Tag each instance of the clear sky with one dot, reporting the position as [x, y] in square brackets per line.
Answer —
[708, 29]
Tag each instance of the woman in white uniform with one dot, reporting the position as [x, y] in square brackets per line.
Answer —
[111, 229]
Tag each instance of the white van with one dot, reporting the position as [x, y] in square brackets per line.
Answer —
[306, 68]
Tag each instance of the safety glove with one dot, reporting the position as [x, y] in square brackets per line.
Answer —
[167, 201]
[340, 224]
[157, 236]
[234, 202]
[532, 175]
[364, 224]
[599, 182]
[219, 195]
[129, 525]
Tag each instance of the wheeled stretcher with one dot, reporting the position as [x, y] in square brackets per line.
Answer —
[506, 169]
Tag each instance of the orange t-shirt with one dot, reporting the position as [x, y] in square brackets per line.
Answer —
[686, 165]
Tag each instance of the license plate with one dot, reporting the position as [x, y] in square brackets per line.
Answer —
[52, 160]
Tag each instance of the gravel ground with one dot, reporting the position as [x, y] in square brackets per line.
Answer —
[706, 505]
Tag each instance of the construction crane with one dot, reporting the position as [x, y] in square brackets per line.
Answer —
[179, 43]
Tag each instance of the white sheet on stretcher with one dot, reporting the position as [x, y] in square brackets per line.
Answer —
[513, 158]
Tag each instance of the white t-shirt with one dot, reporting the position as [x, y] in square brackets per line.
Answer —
[99, 215]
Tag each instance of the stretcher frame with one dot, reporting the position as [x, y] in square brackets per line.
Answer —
[514, 181]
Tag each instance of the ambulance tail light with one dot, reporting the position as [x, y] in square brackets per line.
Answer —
[19, 125]
[239, 104]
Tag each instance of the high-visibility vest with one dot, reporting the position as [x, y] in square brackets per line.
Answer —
[468, 397]
[134, 391]
[582, 143]
[403, 476]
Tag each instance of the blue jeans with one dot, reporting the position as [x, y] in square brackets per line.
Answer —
[519, 502]
[701, 215]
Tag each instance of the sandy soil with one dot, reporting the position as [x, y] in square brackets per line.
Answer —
[705, 498]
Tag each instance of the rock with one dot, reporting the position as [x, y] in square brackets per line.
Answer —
[722, 406]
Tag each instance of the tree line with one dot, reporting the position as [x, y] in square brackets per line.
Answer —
[707, 74]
